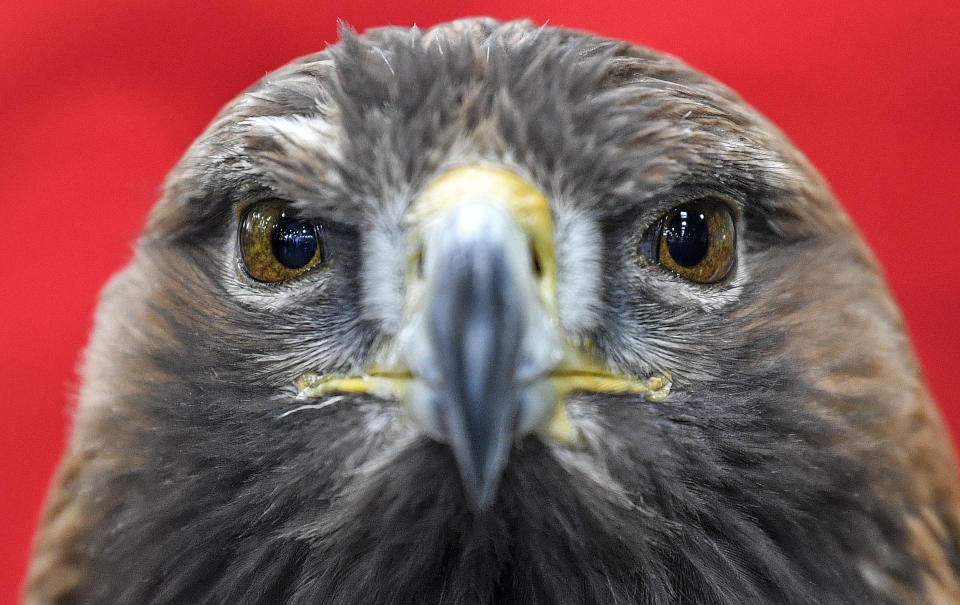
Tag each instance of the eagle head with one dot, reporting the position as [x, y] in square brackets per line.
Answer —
[497, 313]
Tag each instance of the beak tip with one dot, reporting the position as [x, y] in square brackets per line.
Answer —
[482, 501]
[480, 471]
[481, 489]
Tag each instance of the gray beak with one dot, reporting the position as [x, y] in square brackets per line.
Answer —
[483, 344]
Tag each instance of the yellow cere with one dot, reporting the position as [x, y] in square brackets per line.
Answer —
[497, 186]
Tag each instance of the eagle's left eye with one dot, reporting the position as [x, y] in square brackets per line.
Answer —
[277, 246]
[696, 240]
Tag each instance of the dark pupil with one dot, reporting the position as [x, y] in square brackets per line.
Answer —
[294, 242]
[687, 237]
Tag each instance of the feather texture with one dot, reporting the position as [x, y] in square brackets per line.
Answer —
[799, 458]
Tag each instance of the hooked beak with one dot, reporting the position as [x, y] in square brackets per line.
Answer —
[482, 345]
[486, 362]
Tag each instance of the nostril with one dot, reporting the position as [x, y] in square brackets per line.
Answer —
[535, 260]
[418, 262]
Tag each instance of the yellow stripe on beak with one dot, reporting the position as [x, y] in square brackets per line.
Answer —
[492, 185]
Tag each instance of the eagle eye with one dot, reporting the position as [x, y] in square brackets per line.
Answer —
[696, 240]
[277, 246]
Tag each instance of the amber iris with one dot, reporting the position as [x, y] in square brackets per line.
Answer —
[697, 240]
[277, 246]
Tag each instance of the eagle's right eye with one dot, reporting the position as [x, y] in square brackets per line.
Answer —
[277, 246]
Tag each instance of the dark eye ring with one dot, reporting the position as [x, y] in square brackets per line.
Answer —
[276, 245]
[696, 240]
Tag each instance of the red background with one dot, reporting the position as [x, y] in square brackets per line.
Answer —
[99, 99]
